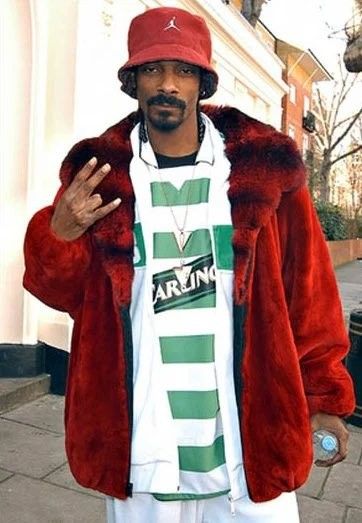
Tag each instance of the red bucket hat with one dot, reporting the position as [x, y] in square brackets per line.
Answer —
[168, 33]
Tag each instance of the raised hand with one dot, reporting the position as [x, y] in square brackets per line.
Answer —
[78, 208]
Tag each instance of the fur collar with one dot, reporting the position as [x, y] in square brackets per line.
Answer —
[265, 164]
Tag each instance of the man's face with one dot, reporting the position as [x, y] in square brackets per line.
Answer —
[168, 93]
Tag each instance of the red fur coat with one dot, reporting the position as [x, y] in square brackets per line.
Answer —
[289, 332]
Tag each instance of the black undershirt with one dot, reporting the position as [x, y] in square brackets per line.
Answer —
[165, 162]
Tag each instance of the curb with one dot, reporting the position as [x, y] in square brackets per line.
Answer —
[17, 391]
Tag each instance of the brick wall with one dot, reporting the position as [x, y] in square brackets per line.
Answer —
[345, 251]
[293, 112]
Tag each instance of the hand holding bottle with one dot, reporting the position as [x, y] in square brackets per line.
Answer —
[325, 445]
[335, 426]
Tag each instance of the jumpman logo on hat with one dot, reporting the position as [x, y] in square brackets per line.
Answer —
[172, 25]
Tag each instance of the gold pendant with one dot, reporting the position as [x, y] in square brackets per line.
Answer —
[183, 274]
[182, 238]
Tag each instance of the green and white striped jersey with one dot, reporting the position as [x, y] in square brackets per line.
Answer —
[195, 350]
[188, 358]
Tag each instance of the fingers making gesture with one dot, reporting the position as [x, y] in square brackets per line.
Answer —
[78, 208]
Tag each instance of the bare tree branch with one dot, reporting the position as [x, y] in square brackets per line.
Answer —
[333, 104]
[333, 128]
[323, 114]
[350, 86]
[336, 107]
[347, 130]
[345, 89]
[345, 120]
[319, 140]
[348, 153]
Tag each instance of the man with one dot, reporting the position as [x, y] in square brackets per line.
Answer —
[208, 333]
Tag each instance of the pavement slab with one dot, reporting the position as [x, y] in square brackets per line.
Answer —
[45, 413]
[5, 474]
[30, 450]
[316, 511]
[354, 516]
[315, 482]
[354, 448]
[63, 477]
[344, 485]
[350, 272]
[352, 297]
[27, 500]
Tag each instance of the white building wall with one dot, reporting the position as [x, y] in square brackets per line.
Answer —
[65, 88]
[15, 91]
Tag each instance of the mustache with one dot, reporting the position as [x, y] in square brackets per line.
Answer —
[164, 99]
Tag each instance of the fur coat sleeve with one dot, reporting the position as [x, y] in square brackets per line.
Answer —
[314, 306]
[55, 269]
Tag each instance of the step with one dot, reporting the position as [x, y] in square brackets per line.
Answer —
[17, 391]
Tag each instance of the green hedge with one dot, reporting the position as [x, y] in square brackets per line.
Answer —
[333, 221]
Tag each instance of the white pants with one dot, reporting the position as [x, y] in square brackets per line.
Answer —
[144, 508]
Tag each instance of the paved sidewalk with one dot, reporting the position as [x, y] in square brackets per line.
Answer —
[37, 487]
[349, 278]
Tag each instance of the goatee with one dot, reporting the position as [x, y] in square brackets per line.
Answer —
[165, 120]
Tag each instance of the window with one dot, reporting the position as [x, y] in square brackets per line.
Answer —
[291, 131]
[292, 94]
[306, 106]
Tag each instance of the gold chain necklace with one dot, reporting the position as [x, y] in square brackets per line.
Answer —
[182, 271]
